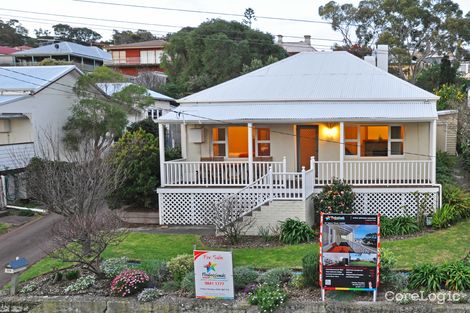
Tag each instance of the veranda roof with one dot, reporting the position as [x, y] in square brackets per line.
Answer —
[302, 112]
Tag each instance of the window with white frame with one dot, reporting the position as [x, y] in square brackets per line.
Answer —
[154, 113]
[219, 141]
[119, 56]
[373, 140]
[232, 142]
[396, 140]
[150, 56]
[263, 142]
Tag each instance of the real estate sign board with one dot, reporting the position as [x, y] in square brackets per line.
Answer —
[349, 252]
[213, 273]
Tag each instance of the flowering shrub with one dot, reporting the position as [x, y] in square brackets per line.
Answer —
[129, 282]
[148, 294]
[81, 283]
[180, 265]
[267, 298]
[335, 198]
[112, 267]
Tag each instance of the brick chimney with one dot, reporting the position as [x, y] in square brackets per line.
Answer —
[307, 39]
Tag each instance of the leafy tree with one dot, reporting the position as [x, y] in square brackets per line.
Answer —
[257, 63]
[249, 17]
[137, 153]
[81, 35]
[49, 62]
[147, 125]
[97, 118]
[213, 52]
[450, 97]
[414, 29]
[355, 49]
[12, 33]
[429, 78]
[127, 36]
[447, 72]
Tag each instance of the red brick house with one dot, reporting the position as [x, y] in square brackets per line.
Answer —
[134, 58]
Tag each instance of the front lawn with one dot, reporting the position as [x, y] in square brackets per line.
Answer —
[437, 247]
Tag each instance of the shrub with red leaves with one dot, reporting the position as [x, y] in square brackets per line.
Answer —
[129, 282]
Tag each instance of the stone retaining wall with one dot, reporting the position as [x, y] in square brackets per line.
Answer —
[174, 304]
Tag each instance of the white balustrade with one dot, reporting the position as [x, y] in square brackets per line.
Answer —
[215, 173]
[376, 172]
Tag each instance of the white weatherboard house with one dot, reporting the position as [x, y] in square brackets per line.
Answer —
[33, 100]
[274, 137]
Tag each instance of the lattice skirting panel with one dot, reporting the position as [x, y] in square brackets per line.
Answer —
[394, 202]
[193, 206]
[189, 206]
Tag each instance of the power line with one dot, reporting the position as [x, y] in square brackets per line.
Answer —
[203, 12]
[155, 31]
[91, 18]
[196, 115]
[109, 27]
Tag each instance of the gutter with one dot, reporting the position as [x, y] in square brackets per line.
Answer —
[26, 209]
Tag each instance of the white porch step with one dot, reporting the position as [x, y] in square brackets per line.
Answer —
[277, 211]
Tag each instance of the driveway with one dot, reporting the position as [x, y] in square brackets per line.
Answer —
[27, 241]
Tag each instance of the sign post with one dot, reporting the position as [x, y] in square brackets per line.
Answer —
[14, 268]
[213, 273]
[349, 252]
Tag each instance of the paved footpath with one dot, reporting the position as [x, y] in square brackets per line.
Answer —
[29, 241]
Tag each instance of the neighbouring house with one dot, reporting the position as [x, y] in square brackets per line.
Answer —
[134, 58]
[464, 69]
[86, 58]
[447, 131]
[271, 139]
[34, 101]
[294, 47]
[6, 57]
[162, 105]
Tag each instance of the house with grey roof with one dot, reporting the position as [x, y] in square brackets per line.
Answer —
[269, 140]
[86, 58]
[33, 100]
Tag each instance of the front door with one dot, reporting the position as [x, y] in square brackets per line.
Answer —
[307, 145]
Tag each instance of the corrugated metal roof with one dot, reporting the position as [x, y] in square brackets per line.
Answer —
[304, 112]
[313, 76]
[111, 88]
[9, 99]
[32, 78]
[65, 47]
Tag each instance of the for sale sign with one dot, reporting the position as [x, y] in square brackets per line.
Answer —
[349, 252]
[213, 274]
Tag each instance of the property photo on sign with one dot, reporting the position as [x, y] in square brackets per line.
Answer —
[213, 273]
[349, 252]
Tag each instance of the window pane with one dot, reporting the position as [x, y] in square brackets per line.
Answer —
[238, 142]
[374, 140]
[219, 149]
[350, 132]
[396, 132]
[218, 134]
[264, 149]
[263, 134]
[350, 148]
[396, 148]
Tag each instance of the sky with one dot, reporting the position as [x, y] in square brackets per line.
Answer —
[132, 18]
